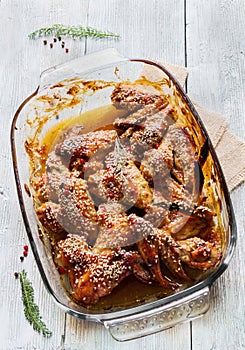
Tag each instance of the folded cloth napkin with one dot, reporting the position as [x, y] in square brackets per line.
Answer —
[229, 148]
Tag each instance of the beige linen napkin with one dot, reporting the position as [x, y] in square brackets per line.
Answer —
[229, 148]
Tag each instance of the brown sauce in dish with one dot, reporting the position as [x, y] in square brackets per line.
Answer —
[90, 120]
[122, 197]
[128, 294]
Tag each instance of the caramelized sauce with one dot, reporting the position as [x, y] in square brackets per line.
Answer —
[99, 118]
[130, 292]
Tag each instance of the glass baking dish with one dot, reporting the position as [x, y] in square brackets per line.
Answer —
[59, 98]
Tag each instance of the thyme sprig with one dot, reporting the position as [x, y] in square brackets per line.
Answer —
[78, 31]
[31, 309]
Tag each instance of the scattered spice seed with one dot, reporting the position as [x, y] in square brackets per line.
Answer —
[62, 45]
[21, 258]
[59, 38]
[61, 270]
[45, 42]
[55, 39]
[25, 253]
[16, 275]
[26, 248]
[67, 50]
[51, 45]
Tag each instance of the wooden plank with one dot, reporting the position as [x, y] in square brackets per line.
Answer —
[215, 58]
[21, 62]
[147, 29]
[215, 35]
[93, 336]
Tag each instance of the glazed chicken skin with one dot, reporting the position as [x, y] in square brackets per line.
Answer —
[132, 97]
[94, 274]
[121, 181]
[128, 201]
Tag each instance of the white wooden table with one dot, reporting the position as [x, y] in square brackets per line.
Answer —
[207, 37]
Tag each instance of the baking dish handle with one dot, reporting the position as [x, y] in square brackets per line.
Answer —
[162, 318]
[76, 67]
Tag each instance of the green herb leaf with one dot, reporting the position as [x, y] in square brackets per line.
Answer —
[31, 310]
[72, 31]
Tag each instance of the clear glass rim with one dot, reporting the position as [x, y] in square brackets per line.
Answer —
[99, 317]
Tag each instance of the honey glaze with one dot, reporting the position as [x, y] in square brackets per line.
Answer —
[130, 293]
[168, 237]
[89, 121]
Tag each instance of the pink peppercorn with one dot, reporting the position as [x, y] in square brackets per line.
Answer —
[61, 270]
